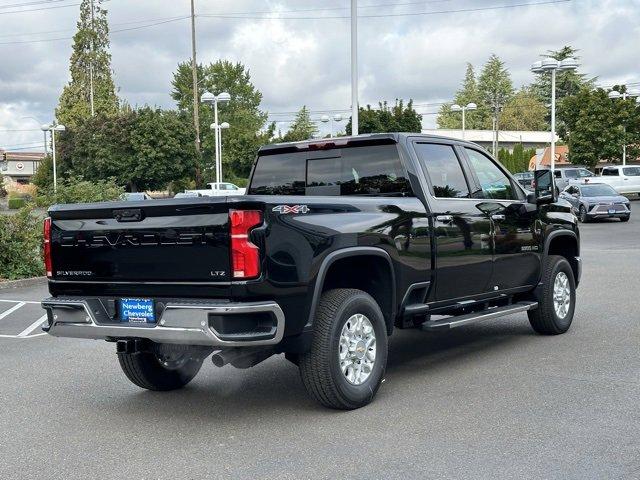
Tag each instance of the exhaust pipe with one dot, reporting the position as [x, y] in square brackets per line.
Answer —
[241, 357]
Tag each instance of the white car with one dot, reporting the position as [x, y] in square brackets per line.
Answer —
[624, 179]
[221, 189]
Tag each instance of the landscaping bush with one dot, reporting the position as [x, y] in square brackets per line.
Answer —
[21, 245]
[78, 190]
[16, 202]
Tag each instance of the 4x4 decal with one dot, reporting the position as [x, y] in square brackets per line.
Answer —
[291, 209]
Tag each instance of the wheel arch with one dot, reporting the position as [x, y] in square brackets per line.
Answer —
[566, 244]
[339, 268]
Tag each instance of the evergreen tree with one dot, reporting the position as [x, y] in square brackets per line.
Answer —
[467, 93]
[399, 118]
[90, 59]
[302, 127]
[495, 89]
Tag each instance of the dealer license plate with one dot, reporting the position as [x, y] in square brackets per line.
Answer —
[137, 310]
[612, 211]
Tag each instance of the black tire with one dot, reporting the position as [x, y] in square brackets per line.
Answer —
[625, 219]
[145, 370]
[320, 369]
[582, 215]
[544, 319]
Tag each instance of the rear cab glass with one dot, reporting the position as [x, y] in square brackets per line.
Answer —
[351, 170]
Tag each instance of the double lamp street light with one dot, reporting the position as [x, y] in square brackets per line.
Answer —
[211, 99]
[551, 65]
[457, 108]
[615, 95]
[53, 128]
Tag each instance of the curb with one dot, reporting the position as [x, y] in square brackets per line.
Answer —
[24, 282]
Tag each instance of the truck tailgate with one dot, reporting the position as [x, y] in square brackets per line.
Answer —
[184, 240]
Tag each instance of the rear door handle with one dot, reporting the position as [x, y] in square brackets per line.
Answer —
[444, 218]
[498, 216]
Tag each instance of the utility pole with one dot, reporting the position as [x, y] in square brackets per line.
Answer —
[354, 67]
[196, 97]
[93, 34]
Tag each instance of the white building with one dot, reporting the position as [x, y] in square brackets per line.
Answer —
[19, 167]
[506, 138]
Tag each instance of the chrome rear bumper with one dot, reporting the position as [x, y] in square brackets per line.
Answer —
[179, 323]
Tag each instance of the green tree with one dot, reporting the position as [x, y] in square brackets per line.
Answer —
[398, 118]
[247, 122]
[523, 112]
[467, 93]
[495, 89]
[302, 128]
[595, 126]
[90, 59]
[142, 149]
[568, 82]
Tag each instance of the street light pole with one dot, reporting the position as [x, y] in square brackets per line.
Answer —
[457, 108]
[553, 119]
[212, 99]
[354, 67]
[614, 95]
[552, 65]
[53, 128]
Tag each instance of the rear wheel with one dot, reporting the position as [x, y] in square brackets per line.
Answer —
[348, 355]
[582, 215]
[162, 367]
[557, 303]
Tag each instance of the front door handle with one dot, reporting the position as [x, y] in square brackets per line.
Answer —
[498, 216]
[444, 218]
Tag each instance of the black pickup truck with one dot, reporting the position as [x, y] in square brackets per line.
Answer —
[337, 243]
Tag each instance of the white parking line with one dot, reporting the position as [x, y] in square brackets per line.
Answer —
[17, 301]
[32, 327]
[11, 310]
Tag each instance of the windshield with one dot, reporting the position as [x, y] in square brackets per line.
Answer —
[578, 173]
[598, 191]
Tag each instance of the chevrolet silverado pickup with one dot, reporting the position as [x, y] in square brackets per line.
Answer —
[336, 244]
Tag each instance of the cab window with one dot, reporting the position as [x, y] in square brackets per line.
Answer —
[610, 172]
[443, 168]
[493, 182]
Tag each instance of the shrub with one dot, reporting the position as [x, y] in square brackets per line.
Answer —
[78, 190]
[20, 245]
[3, 190]
[16, 203]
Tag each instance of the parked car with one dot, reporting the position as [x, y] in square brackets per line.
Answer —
[222, 189]
[337, 244]
[187, 194]
[597, 200]
[624, 179]
[568, 175]
[135, 196]
[525, 179]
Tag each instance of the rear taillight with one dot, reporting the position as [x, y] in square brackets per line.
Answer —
[46, 231]
[245, 256]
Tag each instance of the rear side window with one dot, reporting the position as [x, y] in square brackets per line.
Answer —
[279, 175]
[368, 170]
[610, 172]
[443, 169]
[631, 171]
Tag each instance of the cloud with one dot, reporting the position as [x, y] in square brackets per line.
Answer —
[307, 61]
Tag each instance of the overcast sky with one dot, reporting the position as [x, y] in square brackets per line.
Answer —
[306, 59]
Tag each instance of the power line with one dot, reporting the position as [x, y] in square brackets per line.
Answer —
[154, 24]
[386, 15]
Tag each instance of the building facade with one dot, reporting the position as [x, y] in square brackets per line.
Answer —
[19, 167]
[507, 139]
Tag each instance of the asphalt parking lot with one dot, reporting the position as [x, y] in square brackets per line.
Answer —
[491, 400]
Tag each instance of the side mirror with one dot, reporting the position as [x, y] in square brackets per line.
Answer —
[545, 188]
